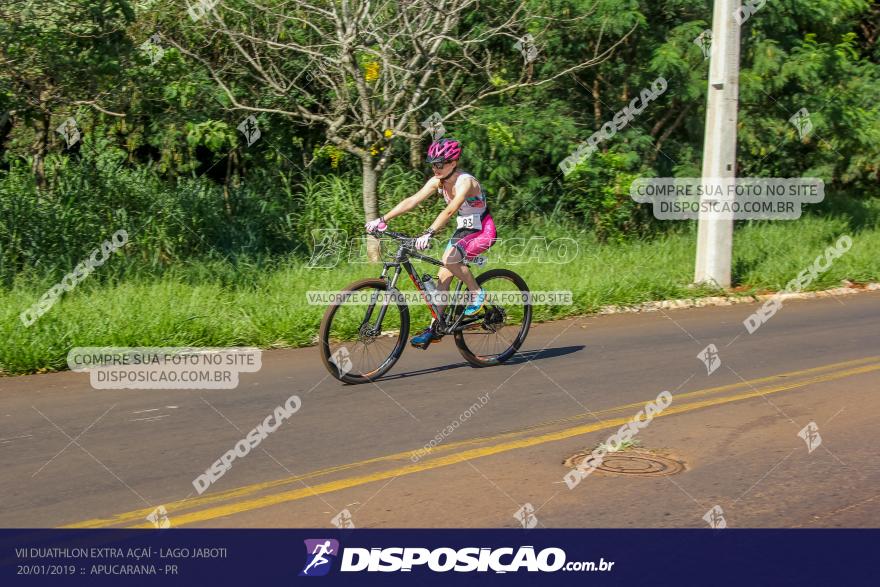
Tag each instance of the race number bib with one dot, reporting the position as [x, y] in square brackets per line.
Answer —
[470, 221]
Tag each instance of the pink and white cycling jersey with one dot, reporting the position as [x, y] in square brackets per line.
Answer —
[475, 230]
[473, 204]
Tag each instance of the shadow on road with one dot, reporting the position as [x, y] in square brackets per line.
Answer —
[517, 359]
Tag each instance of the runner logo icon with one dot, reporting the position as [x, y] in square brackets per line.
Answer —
[320, 554]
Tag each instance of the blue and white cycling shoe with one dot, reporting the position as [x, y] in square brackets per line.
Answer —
[426, 338]
[477, 304]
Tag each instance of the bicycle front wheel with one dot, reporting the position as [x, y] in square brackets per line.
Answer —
[363, 332]
[503, 323]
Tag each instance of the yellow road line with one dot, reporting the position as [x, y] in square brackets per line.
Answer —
[442, 461]
[137, 515]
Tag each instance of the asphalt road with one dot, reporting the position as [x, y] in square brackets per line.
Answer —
[75, 456]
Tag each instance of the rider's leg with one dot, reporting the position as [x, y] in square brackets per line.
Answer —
[472, 241]
[452, 266]
[444, 276]
[428, 335]
[444, 279]
[453, 259]
[452, 262]
[469, 246]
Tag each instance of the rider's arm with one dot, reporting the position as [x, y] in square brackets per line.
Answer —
[461, 191]
[414, 200]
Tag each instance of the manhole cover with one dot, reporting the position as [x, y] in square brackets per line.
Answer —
[643, 464]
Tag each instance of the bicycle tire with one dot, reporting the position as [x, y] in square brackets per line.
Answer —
[324, 342]
[487, 361]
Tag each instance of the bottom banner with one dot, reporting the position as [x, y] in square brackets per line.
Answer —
[436, 557]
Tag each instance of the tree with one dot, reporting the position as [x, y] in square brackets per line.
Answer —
[57, 53]
[365, 71]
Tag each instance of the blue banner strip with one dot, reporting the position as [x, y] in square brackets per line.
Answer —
[437, 557]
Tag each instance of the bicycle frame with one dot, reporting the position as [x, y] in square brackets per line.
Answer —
[492, 320]
[447, 321]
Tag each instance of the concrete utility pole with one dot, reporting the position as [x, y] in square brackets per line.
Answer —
[715, 235]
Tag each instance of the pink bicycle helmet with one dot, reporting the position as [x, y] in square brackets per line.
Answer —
[444, 150]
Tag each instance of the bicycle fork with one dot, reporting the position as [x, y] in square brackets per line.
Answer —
[377, 326]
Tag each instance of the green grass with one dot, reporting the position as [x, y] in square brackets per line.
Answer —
[221, 304]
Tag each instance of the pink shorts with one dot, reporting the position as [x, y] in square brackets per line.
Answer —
[470, 242]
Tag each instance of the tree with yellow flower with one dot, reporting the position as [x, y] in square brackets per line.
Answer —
[351, 67]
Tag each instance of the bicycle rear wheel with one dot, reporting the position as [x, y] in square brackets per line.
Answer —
[363, 332]
[503, 325]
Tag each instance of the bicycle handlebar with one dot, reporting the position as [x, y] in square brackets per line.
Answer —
[392, 234]
[407, 241]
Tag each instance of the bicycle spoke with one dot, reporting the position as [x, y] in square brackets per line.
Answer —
[354, 334]
[499, 331]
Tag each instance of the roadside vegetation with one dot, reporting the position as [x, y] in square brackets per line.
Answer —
[263, 302]
[221, 230]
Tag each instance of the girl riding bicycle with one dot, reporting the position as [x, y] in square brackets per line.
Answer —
[475, 229]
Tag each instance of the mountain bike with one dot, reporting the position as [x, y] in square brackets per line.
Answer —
[365, 329]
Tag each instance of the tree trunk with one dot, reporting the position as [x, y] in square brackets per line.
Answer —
[6, 125]
[371, 205]
[39, 148]
[597, 103]
[415, 146]
[231, 161]
[666, 134]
